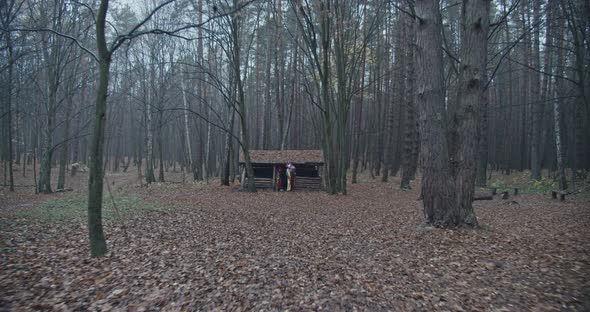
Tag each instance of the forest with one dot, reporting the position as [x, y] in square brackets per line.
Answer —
[128, 123]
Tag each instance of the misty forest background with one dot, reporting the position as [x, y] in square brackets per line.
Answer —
[193, 82]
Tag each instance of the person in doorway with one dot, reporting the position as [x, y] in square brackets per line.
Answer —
[282, 178]
[291, 177]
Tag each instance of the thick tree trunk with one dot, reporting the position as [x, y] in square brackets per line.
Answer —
[448, 202]
[466, 121]
[437, 189]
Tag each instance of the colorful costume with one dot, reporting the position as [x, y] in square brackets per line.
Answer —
[290, 177]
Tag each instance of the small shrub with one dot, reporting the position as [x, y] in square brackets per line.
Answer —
[543, 185]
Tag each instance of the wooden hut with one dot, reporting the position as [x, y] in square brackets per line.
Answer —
[308, 164]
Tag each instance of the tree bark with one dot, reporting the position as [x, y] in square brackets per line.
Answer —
[557, 114]
[448, 202]
[149, 167]
[98, 246]
[9, 109]
[266, 109]
[437, 189]
[358, 119]
[187, 133]
[411, 143]
[160, 144]
[242, 113]
[63, 159]
[279, 71]
[466, 121]
[508, 121]
[538, 104]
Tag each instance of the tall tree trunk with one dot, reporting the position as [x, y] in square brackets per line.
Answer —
[437, 189]
[206, 172]
[98, 246]
[160, 144]
[279, 69]
[448, 202]
[545, 85]
[63, 159]
[508, 121]
[294, 64]
[187, 133]
[389, 102]
[329, 157]
[242, 113]
[149, 167]
[466, 121]
[201, 91]
[481, 178]
[358, 119]
[266, 124]
[9, 109]
[557, 113]
[538, 103]
[411, 143]
[225, 173]
[76, 141]
[45, 168]
[579, 32]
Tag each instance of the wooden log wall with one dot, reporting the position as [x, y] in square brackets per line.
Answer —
[314, 183]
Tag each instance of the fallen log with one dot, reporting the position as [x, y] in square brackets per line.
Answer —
[64, 190]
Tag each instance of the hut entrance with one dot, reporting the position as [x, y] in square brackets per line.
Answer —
[308, 164]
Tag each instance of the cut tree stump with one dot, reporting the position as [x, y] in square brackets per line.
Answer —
[505, 195]
[516, 191]
[494, 191]
[483, 197]
[560, 193]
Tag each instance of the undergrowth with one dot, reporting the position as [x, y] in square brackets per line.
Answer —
[74, 207]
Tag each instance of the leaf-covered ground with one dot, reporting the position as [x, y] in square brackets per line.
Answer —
[205, 247]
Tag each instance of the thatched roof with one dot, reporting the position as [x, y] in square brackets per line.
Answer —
[282, 157]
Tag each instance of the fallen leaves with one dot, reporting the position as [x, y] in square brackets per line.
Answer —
[225, 250]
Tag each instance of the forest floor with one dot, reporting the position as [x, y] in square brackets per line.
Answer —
[177, 246]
